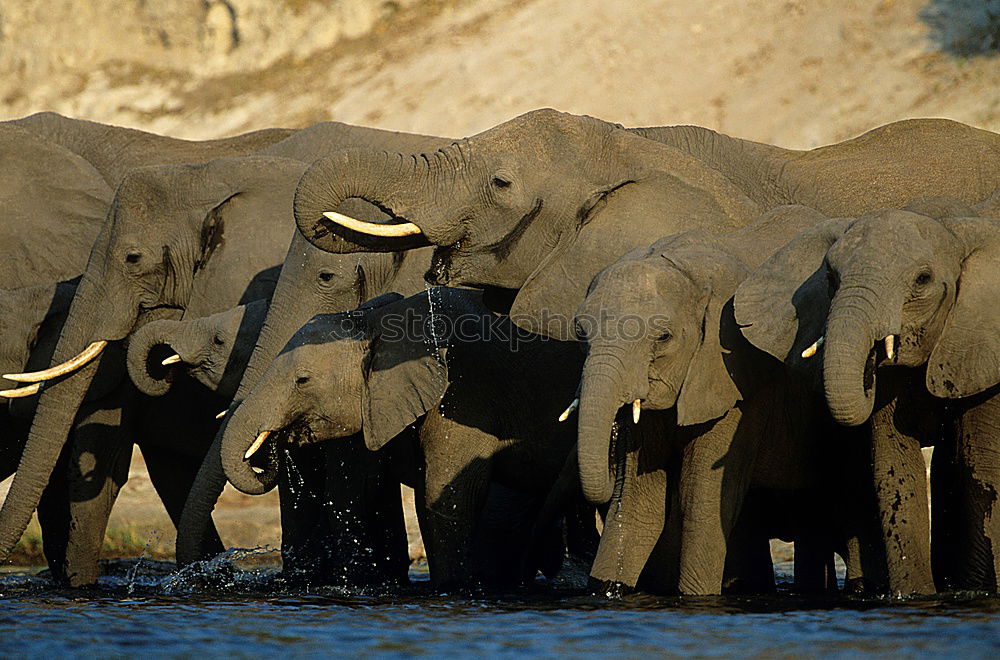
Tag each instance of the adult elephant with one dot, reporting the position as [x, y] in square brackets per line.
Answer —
[906, 301]
[159, 254]
[724, 420]
[477, 397]
[541, 203]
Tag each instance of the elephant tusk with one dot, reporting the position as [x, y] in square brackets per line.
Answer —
[811, 351]
[890, 346]
[373, 228]
[257, 444]
[66, 367]
[569, 410]
[636, 410]
[21, 391]
[221, 414]
[173, 359]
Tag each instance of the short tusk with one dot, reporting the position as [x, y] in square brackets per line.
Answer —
[66, 367]
[221, 414]
[21, 391]
[569, 410]
[890, 346]
[636, 409]
[373, 228]
[811, 351]
[173, 359]
[257, 444]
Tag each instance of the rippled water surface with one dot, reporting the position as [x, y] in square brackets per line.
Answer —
[252, 612]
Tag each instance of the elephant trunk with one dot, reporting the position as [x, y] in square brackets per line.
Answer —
[247, 429]
[402, 185]
[197, 515]
[57, 407]
[144, 362]
[601, 395]
[850, 357]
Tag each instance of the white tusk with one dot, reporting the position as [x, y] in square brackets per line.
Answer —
[173, 359]
[373, 228]
[66, 367]
[21, 391]
[890, 346]
[811, 351]
[569, 410]
[636, 409]
[257, 444]
[221, 414]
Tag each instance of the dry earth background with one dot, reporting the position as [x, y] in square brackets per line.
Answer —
[797, 73]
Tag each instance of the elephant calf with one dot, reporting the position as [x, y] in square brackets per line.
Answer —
[724, 419]
[476, 399]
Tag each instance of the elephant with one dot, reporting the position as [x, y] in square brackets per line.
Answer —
[534, 207]
[724, 420]
[477, 398]
[202, 207]
[213, 350]
[894, 308]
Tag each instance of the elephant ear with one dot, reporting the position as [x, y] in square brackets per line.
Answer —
[966, 358]
[659, 191]
[404, 378]
[782, 306]
[709, 390]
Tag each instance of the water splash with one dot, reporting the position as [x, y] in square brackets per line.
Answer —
[154, 535]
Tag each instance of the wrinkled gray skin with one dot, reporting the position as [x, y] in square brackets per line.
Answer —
[931, 284]
[382, 368]
[214, 350]
[718, 419]
[541, 203]
[312, 282]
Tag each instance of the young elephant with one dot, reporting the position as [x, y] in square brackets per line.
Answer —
[484, 397]
[905, 301]
[661, 337]
[214, 350]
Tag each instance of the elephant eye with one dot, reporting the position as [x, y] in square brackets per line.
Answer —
[325, 277]
[133, 257]
[302, 380]
[666, 336]
[218, 341]
[500, 182]
[922, 278]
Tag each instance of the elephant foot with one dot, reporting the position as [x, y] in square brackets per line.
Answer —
[608, 589]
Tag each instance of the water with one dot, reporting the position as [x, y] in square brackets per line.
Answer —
[240, 612]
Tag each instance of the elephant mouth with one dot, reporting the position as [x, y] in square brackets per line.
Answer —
[265, 461]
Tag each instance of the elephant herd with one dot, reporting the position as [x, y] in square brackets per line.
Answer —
[676, 329]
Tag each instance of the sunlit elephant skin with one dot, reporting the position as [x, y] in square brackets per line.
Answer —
[313, 282]
[541, 203]
[483, 411]
[722, 417]
[905, 303]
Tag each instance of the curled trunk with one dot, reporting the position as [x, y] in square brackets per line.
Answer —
[147, 349]
[243, 429]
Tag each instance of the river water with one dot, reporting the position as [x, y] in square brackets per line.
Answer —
[146, 610]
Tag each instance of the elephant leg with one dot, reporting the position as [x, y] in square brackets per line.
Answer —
[636, 515]
[854, 509]
[946, 529]
[977, 455]
[365, 512]
[456, 485]
[172, 475]
[715, 475]
[307, 548]
[900, 477]
[99, 458]
[748, 568]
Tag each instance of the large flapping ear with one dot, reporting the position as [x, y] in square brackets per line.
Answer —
[782, 306]
[659, 191]
[966, 358]
[709, 391]
[405, 377]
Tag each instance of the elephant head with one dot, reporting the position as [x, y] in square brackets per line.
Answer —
[652, 324]
[376, 369]
[213, 350]
[538, 204]
[890, 288]
[178, 239]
